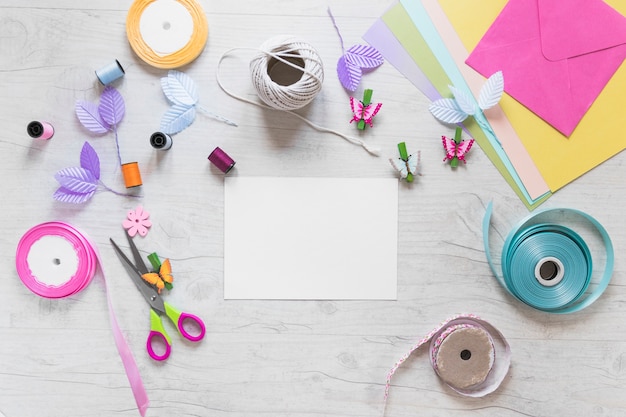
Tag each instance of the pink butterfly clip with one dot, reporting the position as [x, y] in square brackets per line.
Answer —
[364, 111]
[456, 149]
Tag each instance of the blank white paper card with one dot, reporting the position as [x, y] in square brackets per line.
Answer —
[310, 238]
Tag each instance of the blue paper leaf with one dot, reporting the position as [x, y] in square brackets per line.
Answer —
[177, 118]
[464, 100]
[364, 56]
[447, 110]
[179, 88]
[349, 74]
[68, 196]
[77, 179]
[89, 116]
[491, 92]
[112, 107]
[89, 160]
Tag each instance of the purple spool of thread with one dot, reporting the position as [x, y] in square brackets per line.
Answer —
[221, 160]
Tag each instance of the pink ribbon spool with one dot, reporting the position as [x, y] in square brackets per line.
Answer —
[75, 255]
[31, 244]
[497, 349]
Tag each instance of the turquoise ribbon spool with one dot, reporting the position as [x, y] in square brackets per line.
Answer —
[549, 266]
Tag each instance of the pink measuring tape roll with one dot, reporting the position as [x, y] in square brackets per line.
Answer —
[467, 353]
[55, 260]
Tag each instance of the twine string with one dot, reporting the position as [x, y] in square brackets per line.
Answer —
[291, 97]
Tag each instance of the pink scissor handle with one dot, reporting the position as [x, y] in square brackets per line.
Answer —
[197, 322]
[168, 347]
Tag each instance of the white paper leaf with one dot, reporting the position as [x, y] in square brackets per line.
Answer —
[447, 110]
[177, 118]
[179, 88]
[77, 179]
[464, 100]
[491, 92]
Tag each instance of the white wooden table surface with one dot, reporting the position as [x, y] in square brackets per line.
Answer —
[270, 358]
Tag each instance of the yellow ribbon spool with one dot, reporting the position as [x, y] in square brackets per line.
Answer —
[182, 56]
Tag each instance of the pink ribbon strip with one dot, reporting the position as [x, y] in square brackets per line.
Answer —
[499, 343]
[88, 262]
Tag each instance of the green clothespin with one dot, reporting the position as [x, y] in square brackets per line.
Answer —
[457, 139]
[404, 155]
[156, 264]
[367, 99]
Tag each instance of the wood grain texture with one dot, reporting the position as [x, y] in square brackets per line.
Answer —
[270, 358]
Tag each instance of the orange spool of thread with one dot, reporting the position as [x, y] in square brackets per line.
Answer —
[132, 176]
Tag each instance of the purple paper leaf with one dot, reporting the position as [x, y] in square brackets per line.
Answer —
[349, 74]
[89, 116]
[77, 179]
[89, 160]
[364, 56]
[68, 196]
[112, 107]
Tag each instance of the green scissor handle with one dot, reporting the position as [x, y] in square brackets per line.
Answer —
[158, 331]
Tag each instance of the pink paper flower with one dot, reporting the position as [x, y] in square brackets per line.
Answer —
[137, 222]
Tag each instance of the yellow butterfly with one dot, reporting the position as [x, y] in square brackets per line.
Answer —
[160, 279]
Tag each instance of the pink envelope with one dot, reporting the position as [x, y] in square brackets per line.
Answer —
[556, 55]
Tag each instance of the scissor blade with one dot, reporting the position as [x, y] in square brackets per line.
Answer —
[141, 266]
[150, 294]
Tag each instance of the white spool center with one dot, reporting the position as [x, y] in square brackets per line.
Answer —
[549, 271]
[166, 26]
[52, 260]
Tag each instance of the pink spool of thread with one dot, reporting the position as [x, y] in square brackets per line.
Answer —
[221, 160]
[40, 130]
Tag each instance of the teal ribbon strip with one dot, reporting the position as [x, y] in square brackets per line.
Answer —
[530, 243]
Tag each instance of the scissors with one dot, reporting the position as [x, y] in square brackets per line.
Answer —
[159, 308]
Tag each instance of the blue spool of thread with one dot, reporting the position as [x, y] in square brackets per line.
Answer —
[549, 266]
[110, 73]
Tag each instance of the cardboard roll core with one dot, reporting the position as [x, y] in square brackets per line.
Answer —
[283, 74]
[465, 357]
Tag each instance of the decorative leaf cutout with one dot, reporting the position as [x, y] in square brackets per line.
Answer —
[77, 179]
[447, 110]
[112, 107]
[179, 88]
[354, 60]
[491, 92]
[463, 105]
[364, 56]
[67, 196]
[89, 116]
[89, 160]
[182, 92]
[464, 100]
[79, 184]
[349, 75]
[177, 118]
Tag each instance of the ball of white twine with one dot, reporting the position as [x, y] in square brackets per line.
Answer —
[298, 55]
[290, 51]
